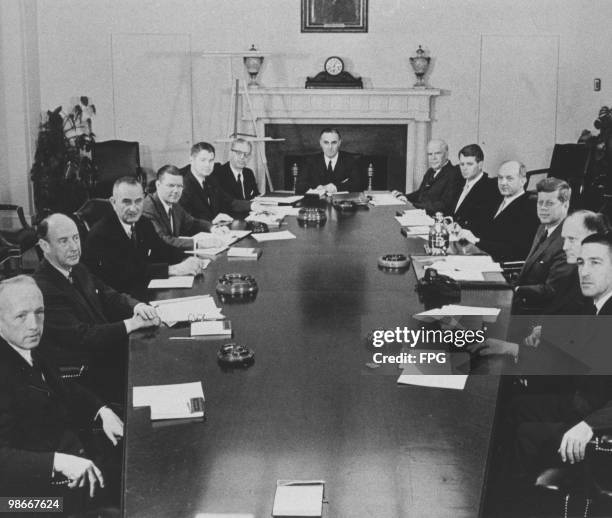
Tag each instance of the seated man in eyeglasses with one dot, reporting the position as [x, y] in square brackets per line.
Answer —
[235, 179]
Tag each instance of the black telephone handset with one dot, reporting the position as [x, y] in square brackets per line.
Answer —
[436, 290]
[257, 227]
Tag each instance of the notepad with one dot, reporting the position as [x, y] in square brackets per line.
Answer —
[274, 236]
[170, 401]
[455, 310]
[384, 199]
[278, 200]
[186, 308]
[447, 381]
[244, 253]
[298, 498]
[179, 281]
[212, 328]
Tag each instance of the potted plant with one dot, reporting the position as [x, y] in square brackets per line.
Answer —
[63, 174]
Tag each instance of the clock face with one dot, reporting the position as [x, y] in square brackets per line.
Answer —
[334, 65]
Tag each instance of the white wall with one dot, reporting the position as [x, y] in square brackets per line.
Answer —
[74, 39]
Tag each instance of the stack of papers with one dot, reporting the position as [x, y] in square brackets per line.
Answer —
[244, 253]
[416, 231]
[465, 267]
[298, 498]
[212, 328]
[448, 381]
[458, 310]
[179, 281]
[185, 309]
[274, 236]
[278, 200]
[228, 239]
[382, 199]
[415, 217]
[170, 401]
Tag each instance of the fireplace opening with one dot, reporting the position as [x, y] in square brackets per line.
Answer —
[382, 145]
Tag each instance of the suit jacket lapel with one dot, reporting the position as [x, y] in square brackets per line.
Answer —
[159, 207]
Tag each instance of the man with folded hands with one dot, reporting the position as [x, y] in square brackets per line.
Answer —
[171, 221]
[41, 452]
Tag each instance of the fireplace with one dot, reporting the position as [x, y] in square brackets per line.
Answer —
[373, 122]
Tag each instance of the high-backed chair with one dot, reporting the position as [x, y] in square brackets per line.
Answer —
[112, 160]
[91, 212]
[569, 162]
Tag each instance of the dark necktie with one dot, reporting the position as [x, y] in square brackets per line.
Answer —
[240, 186]
[206, 190]
[133, 236]
[330, 170]
[590, 309]
[171, 218]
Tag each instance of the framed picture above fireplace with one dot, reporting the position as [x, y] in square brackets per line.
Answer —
[334, 15]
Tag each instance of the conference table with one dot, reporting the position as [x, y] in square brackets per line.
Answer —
[312, 406]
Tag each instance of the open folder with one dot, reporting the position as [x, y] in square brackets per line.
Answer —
[298, 498]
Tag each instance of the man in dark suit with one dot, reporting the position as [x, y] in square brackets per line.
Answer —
[439, 189]
[202, 196]
[88, 319]
[235, 179]
[508, 236]
[555, 427]
[545, 268]
[478, 197]
[40, 414]
[331, 170]
[173, 224]
[124, 250]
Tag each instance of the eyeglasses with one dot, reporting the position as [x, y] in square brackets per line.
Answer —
[242, 154]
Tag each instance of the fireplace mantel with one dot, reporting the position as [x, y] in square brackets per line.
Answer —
[410, 107]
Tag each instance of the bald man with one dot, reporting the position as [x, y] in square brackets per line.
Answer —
[40, 413]
[86, 319]
[509, 235]
[441, 184]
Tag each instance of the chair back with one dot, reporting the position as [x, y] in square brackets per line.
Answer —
[112, 160]
[90, 213]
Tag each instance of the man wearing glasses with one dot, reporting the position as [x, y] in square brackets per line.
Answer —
[235, 179]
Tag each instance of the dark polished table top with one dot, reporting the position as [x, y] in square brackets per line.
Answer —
[309, 408]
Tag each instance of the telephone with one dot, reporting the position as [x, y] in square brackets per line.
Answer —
[236, 286]
[436, 290]
[234, 355]
[311, 216]
[393, 262]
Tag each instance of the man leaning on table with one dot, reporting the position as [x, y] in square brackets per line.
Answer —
[88, 321]
[509, 234]
[124, 250]
[440, 185]
[41, 414]
[171, 221]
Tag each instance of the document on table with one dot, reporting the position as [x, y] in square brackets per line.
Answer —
[278, 200]
[419, 230]
[244, 253]
[448, 381]
[414, 217]
[456, 310]
[385, 199]
[298, 498]
[437, 375]
[179, 281]
[464, 267]
[274, 236]
[186, 308]
[170, 401]
[212, 328]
